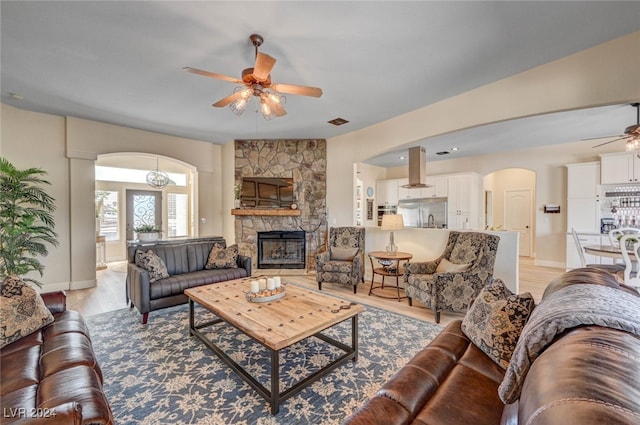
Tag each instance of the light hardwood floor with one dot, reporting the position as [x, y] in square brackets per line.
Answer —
[109, 294]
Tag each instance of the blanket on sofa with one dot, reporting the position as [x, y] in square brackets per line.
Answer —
[569, 307]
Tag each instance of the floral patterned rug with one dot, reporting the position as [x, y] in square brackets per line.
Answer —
[158, 374]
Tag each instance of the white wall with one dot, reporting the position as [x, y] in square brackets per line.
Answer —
[578, 81]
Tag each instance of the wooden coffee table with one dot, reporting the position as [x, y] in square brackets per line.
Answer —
[302, 313]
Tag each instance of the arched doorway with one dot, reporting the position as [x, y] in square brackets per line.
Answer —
[118, 175]
[509, 205]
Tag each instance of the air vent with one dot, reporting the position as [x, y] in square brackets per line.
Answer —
[442, 153]
[338, 121]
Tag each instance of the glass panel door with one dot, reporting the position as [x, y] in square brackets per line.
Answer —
[143, 207]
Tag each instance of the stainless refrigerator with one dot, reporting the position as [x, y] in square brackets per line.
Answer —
[425, 212]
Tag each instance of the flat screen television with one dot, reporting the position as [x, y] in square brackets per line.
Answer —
[266, 192]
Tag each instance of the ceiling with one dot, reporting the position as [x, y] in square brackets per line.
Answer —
[120, 62]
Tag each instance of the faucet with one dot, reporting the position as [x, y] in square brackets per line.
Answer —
[431, 222]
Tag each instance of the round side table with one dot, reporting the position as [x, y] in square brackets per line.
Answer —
[387, 261]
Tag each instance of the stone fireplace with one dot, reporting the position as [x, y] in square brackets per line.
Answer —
[305, 162]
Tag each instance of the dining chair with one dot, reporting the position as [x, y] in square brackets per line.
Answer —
[611, 268]
[630, 276]
[616, 234]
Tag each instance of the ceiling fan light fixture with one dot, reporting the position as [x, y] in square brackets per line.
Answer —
[633, 144]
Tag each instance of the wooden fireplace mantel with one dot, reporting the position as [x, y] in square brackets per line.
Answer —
[268, 211]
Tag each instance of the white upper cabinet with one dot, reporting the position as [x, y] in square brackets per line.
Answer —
[387, 192]
[583, 180]
[619, 168]
[439, 187]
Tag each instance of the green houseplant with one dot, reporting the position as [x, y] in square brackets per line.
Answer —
[26, 221]
[147, 232]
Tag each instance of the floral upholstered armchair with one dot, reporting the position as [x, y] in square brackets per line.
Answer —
[343, 263]
[453, 280]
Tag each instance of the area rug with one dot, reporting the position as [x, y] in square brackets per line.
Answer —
[158, 374]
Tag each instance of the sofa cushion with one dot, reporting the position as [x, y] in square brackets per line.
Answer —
[22, 310]
[153, 264]
[495, 320]
[222, 258]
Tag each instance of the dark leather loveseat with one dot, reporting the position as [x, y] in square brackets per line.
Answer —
[185, 260]
[588, 375]
[51, 376]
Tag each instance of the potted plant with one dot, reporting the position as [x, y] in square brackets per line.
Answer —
[147, 232]
[26, 221]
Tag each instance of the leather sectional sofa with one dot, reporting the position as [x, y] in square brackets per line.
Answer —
[185, 261]
[51, 376]
[588, 375]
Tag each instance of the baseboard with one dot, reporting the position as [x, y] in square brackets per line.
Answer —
[280, 272]
[53, 287]
[83, 284]
[554, 264]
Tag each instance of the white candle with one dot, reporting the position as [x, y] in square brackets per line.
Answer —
[278, 281]
[263, 284]
[271, 284]
[255, 286]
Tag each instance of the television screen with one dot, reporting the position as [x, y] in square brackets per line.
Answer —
[267, 192]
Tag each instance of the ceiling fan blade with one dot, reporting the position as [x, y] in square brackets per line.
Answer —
[262, 68]
[611, 141]
[227, 100]
[602, 137]
[212, 75]
[299, 90]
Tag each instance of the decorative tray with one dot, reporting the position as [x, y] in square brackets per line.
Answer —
[265, 296]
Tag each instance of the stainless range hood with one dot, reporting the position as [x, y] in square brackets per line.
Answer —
[417, 168]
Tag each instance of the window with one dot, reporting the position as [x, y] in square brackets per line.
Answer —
[177, 214]
[108, 214]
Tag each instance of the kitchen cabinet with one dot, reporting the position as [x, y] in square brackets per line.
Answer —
[409, 193]
[439, 187]
[583, 197]
[620, 168]
[463, 208]
[387, 192]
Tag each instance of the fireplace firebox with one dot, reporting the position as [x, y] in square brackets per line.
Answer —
[281, 250]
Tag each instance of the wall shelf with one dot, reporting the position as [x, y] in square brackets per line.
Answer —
[270, 212]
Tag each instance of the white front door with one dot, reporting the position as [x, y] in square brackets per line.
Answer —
[517, 217]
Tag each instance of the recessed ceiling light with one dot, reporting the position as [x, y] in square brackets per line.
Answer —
[338, 121]
[454, 148]
[401, 157]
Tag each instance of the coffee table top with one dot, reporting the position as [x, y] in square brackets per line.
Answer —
[301, 313]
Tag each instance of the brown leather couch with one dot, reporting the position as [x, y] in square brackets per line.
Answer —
[51, 376]
[574, 381]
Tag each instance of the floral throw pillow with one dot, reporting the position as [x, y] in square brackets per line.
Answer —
[495, 320]
[22, 310]
[153, 264]
[222, 258]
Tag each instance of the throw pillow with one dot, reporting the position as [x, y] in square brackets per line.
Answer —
[495, 320]
[343, 254]
[446, 266]
[22, 310]
[222, 258]
[153, 264]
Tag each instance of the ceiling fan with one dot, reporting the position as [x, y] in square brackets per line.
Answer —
[256, 82]
[631, 133]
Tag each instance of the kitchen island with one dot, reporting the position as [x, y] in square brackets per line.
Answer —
[427, 244]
